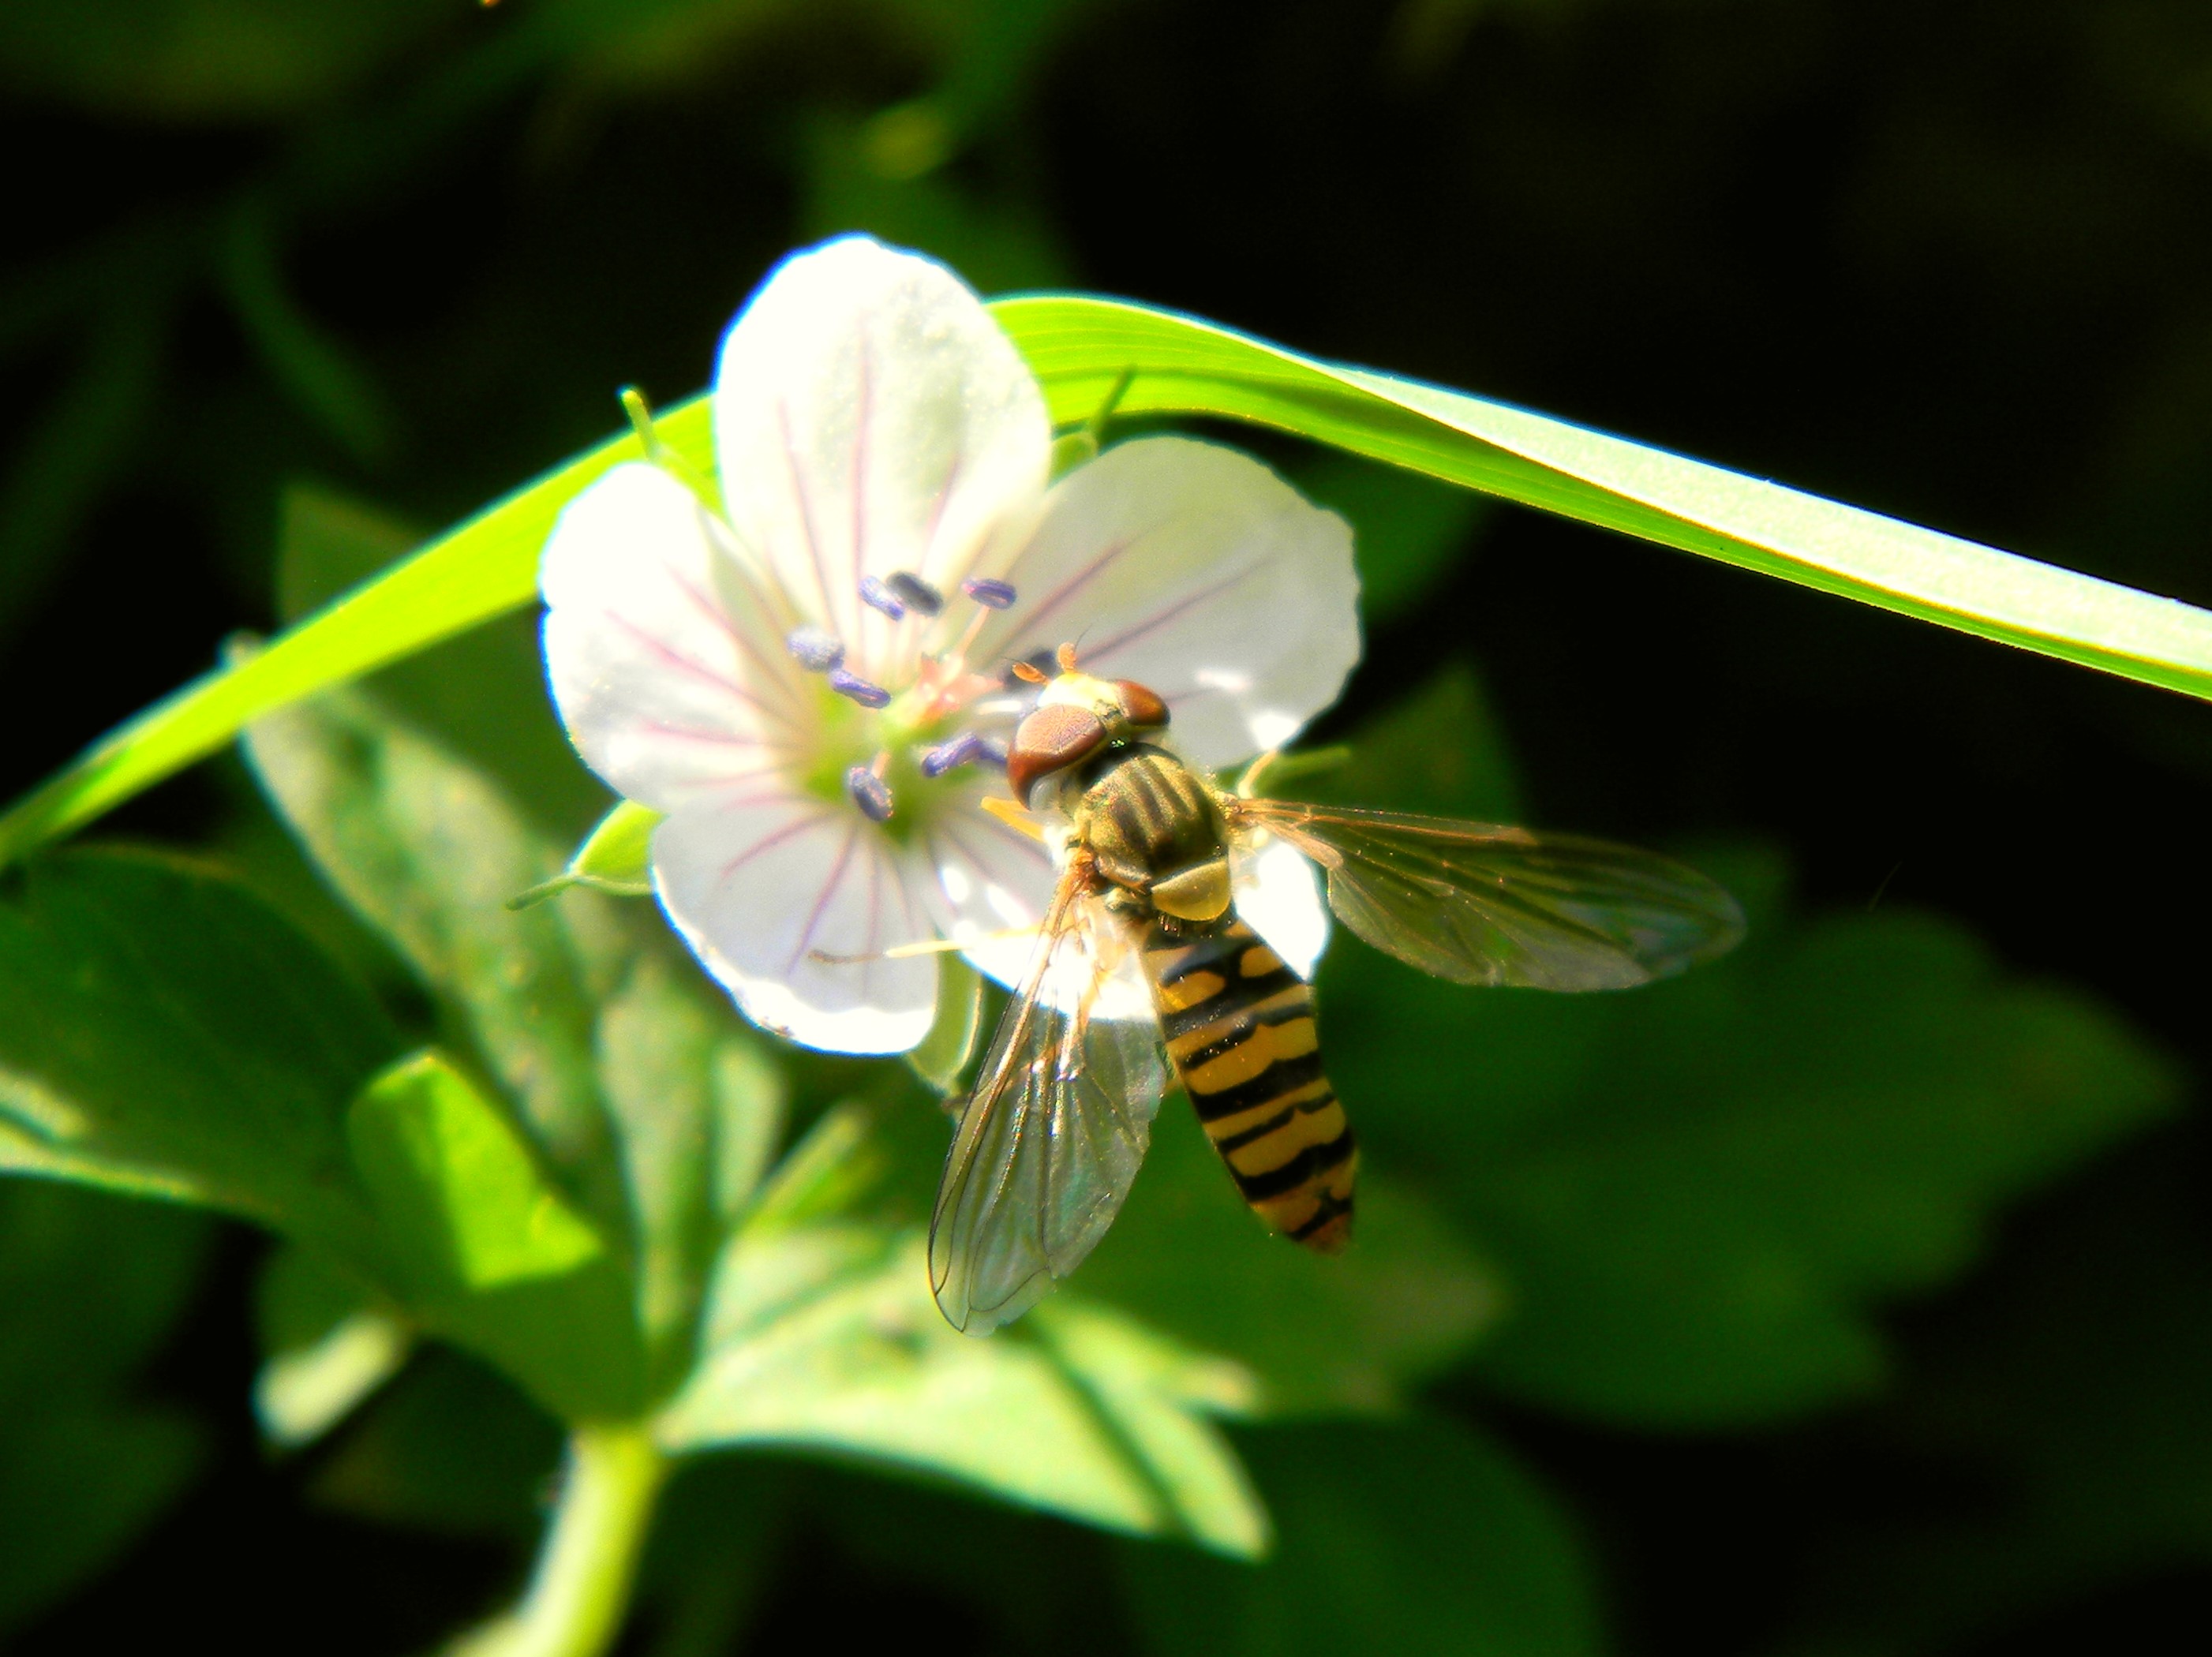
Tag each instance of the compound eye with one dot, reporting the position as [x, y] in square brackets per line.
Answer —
[1143, 708]
[1051, 739]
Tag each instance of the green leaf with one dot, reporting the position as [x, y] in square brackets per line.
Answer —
[164, 1031]
[699, 1110]
[653, 1106]
[1356, 1332]
[329, 1346]
[482, 695]
[452, 1447]
[1700, 1192]
[91, 1287]
[826, 1335]
[1079, 348]
[484, 1250]
[425, 847]
[454, 1185]
[1410, 1538]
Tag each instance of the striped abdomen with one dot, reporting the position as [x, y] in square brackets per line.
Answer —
[1240, 1027]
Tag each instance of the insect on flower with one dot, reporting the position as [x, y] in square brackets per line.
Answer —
[1059, 1119]
[810, 678]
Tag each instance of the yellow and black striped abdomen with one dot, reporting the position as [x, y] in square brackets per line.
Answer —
[1240, 1026]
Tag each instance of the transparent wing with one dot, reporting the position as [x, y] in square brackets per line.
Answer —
[1480, 904]
[1052, 1136]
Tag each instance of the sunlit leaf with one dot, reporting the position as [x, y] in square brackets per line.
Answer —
[483, 1249]
[162, 1031]
[646, 1096]
[1410, 1538]
[455, 1187]
[826, 1336]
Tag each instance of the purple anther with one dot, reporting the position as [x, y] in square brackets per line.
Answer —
[876, 596]
[989, 593]
[917, 594]
[870, 792]
[952, 756]
[992, 751]
[852, 685]
[817, 653]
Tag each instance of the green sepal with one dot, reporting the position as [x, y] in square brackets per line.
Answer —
[616, 858]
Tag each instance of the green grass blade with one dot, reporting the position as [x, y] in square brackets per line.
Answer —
[1081, 348]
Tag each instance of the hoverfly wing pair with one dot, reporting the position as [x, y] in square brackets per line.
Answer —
[1061, 1113]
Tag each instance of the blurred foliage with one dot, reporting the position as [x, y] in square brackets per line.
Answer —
[275, 260]
[90, 1290]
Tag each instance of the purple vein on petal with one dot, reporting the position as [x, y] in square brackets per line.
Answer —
[1105, 647]
[828, 889]
[682, 664]
[1082, 579]
[830, 616]
[767, 841]
[715, 613]
[718, 738]
[937, 506]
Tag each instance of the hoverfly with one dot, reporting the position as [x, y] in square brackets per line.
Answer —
[1052, 1133]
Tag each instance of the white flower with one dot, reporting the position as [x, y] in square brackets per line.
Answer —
[809, 685]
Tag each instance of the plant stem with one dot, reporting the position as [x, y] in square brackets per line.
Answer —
[580, 1594]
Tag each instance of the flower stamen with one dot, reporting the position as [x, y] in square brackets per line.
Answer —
[856, 687]
[916, 594]
[877, 596]
[870, 791]
[817, 652]
[952, 756]
[989, 593]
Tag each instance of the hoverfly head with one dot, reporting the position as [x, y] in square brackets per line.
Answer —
[1078, 714]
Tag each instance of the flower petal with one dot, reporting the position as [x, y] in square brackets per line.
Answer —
[758, 889]
[1194, 570]
[871, 418]
[994, 880]
[1278, 894]
[663, 662]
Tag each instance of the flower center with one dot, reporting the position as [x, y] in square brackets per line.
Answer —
[895, 753]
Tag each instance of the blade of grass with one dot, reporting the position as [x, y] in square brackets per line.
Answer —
[1080, 348]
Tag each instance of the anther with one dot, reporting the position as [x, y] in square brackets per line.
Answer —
[870, 792]
[952, 756]
[989, 593]
[876, 596]
[852, 685]
[992, 751]
[817, 653]
[917, 594]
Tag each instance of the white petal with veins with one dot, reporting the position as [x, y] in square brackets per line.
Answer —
[870, 417]
[757, 889]
[669, 683]
[1194, 570]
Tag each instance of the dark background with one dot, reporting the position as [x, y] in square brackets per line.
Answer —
[1950, 260]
